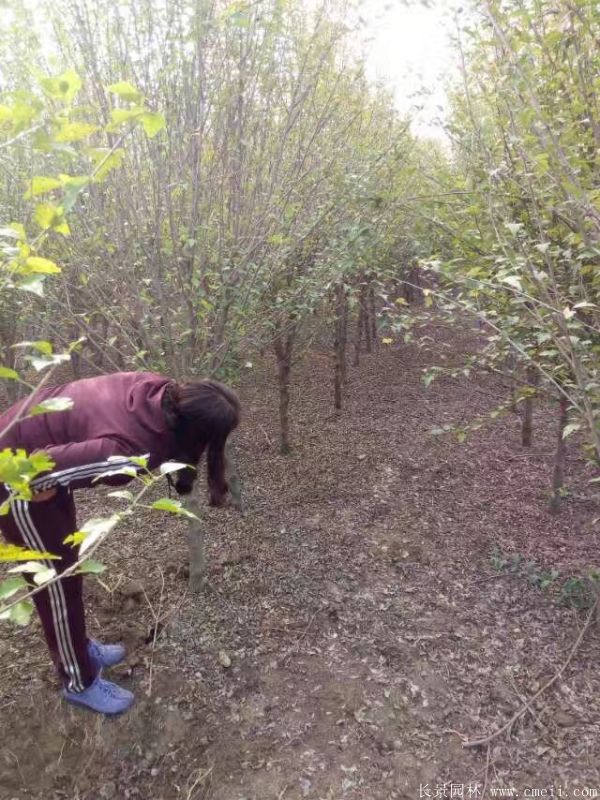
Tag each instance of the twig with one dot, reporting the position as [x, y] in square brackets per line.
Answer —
[300, 639]
[156, 618]
[556, 676]
[168, 615]
[21, 135]
[202, 776]
[487, 772]
[266, 435]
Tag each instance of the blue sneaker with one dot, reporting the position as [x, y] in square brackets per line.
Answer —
[105, 655]
[102, 696]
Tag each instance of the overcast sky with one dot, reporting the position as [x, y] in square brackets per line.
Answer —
[408, 44]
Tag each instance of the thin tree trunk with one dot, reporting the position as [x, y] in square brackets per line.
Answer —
[233, 478]
[283, 345]
[527, 428]
[195, 537]
[558, 476]
[344, 338]
[511, 365]
[372, 315]
[359, 330]
[407, 289]
[364, 302]
[339, 344]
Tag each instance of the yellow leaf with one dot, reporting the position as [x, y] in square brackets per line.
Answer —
[38, 264]
[40, 185]
[75, 131]
[387, 340]
[45, 215]
[126, 91]
[49, 216]
[6, 114]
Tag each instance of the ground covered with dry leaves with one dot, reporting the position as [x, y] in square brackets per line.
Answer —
[378, 601]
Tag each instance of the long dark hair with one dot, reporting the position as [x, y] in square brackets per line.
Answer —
[202, 414]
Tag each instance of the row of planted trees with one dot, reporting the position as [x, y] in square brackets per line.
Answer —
[517, 208]
[181, 184]
[214, 177]
[270, 201]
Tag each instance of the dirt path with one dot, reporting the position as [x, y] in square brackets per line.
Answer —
[359, 606]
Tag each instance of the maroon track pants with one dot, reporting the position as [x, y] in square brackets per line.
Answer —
[43, 526]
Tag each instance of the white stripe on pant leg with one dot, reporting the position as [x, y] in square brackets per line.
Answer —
[71, 663]
[58, 605]
[63, 618]
[73, 473]
[57, 600]
[84, 472]
[119, 461]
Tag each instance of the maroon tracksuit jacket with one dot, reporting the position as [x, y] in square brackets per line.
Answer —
[112, 415]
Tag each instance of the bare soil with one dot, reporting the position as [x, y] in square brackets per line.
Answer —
[370, 608]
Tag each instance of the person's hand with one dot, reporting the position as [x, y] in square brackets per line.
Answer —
[39, 497]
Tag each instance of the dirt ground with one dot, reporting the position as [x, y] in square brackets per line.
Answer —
[370, 608]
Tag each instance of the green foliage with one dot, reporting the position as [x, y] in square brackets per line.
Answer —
[17, 469]
[521, 225]
[19, 613]
[578, 591]
[172, 506]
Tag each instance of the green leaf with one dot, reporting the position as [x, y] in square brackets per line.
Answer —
[172, 466]
[9, 374]
[6, 114]
[19, 613]
[152, 123]
[45, 214]
[42, 362]
[63, 87]
[140, 461]
[513, 280]
[121, 115]
[91, 567]
[41, 265]
[77, 181]
[14, 231]
[74, 539]
[75, 131]
[49, 216]
[31, 567]
[107, 159]
[125, 91]
[51, 405]
[40, 185]
[437, 431]
[514, 227]
[173, 507]
[93, 530]
[570, 428]
[11, 586]
[130, 472]
[122, 494]
[33, 284]
[41, 345]
[43, 576]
